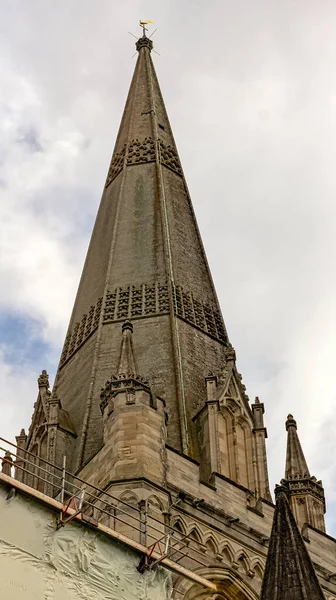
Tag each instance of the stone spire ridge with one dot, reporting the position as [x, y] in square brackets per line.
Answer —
[289, 571]
[296, 465]
[127, 365]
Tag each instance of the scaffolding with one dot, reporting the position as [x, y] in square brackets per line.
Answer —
[147, 532]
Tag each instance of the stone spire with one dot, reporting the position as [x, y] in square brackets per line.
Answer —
[127, 360]
[306, 494]
[145, 263]
[296, 466]
[289, 572]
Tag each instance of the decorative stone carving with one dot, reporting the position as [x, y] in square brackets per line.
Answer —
[122, 310]
[151, 300]
[43, 380]
[306, 485]
[97, 313]
[116, 165]
[73, 341]
[230, 353]
[89, 320]
[109, 309]
[147, 301]
[144, 42]
[199, 314]
[81, 331]
[129, 383]
[141, 152]
[169, 158]
[65, 347]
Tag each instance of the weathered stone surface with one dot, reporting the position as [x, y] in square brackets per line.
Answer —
[145, 262]
[289, 573]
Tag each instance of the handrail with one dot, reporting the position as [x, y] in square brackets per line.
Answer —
[145, 524]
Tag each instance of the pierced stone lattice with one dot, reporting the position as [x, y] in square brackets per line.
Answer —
[116, 165]
[145, 301]
[81, 331]
[199, 314]
[134, 302]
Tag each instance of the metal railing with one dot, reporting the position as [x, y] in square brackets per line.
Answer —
[139, 522]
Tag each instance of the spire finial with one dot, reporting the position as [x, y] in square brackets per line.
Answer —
[290, 422]
[144, 41]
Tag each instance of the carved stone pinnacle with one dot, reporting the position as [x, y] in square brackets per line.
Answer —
[43, 380]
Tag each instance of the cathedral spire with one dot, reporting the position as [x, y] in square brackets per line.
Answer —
[296, 466]
[146, 269]
[145, 263]
[289, 570]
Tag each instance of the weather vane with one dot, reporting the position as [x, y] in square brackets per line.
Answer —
[144, 29]
[143, 25]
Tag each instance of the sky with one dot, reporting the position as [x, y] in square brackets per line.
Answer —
[250, 90]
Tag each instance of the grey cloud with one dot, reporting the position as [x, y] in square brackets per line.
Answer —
[30, 138]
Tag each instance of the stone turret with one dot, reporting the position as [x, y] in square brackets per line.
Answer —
[289, 572]
[306, 494]
[134, 425]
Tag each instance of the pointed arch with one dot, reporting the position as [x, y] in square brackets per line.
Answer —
[259, 570]
[211, 544]
[195, 534]
[257, 561]
[244, 453]
[227, 553]
[243, 561]
[126, 515]
[128, 497]
[180, 524]
[229, 583]
[127, 508]
[178, 530]
[225, 434]
[155, 504]
[43, 449]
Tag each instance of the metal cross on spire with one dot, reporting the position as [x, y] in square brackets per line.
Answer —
[143, 25]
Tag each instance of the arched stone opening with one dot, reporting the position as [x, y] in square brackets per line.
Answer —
[230, 586]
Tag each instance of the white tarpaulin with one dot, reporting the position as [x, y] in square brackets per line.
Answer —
[39, 563]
